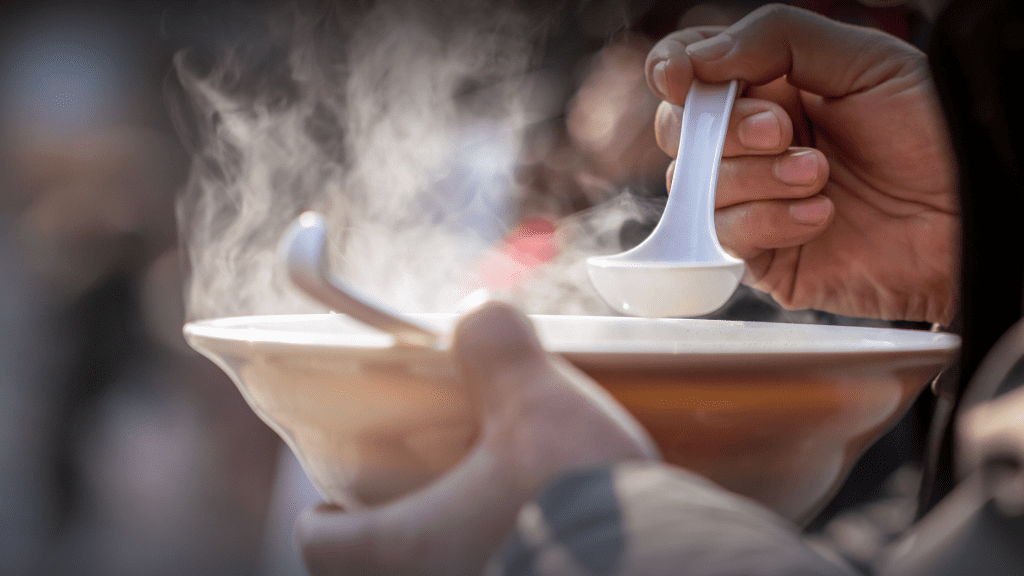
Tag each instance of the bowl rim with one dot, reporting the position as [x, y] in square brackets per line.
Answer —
[256, 333]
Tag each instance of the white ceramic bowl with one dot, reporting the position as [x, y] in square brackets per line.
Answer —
[778, 412]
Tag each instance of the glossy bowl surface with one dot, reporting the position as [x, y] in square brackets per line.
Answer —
[777, 412]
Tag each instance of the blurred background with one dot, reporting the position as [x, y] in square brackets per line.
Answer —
[124, 452]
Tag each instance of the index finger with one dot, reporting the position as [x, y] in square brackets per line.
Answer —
[816, 54]
[668, 68]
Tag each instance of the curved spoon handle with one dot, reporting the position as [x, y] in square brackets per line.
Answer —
[303, 249]
[689, 217]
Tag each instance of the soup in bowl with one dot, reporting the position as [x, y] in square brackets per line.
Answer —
[776, 412]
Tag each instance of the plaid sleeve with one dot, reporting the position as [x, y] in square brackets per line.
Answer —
[650, 519]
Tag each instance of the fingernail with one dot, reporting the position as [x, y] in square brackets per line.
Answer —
[660, 79]
[760, 131]
[813, 212]
[797, 168]
[711, 48]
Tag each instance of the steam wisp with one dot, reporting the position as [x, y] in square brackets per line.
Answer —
[403, 128]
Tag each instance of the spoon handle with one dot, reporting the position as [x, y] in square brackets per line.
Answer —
[303, 249]
[691, 204]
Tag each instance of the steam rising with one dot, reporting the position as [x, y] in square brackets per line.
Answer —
[402, 127]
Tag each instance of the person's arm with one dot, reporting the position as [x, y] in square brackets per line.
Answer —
[838, 184]
[651, 519]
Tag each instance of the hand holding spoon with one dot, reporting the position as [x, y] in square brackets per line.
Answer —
[680, 269]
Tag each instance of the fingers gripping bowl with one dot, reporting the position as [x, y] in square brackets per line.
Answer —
[777, 412]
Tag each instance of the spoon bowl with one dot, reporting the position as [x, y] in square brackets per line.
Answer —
[664, 289]
[680, 269]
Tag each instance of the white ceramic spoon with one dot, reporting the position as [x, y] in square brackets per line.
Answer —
[303, 249]
[680, 269]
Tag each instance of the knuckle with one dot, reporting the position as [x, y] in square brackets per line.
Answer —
[772, 13]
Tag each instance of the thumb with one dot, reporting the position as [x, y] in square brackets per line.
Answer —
[496, 349]
[816, 54]
[504, 365]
